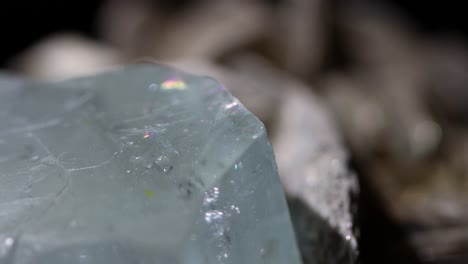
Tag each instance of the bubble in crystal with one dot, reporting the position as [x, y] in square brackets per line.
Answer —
[135, 159]
[235, 209]
[153, 87]
[238, 166]
[211, 196]
[164, 163]
[213, 215]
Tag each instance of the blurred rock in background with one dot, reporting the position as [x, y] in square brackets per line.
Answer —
[341, 85]
[64, 56]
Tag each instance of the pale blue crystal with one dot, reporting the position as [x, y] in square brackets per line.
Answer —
[141, 165]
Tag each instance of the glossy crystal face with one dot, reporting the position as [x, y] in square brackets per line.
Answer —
[141, 165]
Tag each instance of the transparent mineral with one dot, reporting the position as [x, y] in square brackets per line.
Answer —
[141, 165]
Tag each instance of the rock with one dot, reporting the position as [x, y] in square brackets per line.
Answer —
[360, 115]
[314, 170]
[64, 56]
[299, 35]
[388, 54]
[200, 33]
[119, 23]
[446, 62]
[141, 165]
[442, 245]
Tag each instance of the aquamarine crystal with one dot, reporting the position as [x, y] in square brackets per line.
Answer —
[141, 165]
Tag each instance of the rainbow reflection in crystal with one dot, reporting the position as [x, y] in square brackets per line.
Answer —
[172, 84]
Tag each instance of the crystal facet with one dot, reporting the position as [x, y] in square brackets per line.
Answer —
[141, 165]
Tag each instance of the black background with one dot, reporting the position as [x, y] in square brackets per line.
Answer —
[22, 23]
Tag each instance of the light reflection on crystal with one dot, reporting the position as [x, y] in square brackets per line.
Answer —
[235, 209]
[211, 196]
[230, 105]
[9, 242]
[172, 84]
[213, 215]
[83, 257]
[6, 246]
[238, 166]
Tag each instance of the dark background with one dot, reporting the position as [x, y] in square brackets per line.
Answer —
[23, 23]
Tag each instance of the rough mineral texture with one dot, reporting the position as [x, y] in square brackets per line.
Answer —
[317, 179]
[141, 165]
[312, 160]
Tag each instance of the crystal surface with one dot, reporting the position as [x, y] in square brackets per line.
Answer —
[141, 165]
